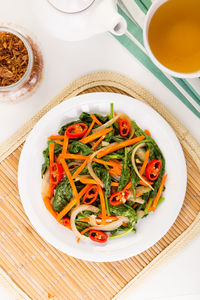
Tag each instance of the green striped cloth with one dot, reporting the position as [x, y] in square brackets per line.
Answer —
[133, 41]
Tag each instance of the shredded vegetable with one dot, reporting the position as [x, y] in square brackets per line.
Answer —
[101, 174]
[95, 136]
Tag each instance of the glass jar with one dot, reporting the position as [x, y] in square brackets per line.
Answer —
[33, 74]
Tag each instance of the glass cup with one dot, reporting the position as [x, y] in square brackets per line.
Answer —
[148, 19]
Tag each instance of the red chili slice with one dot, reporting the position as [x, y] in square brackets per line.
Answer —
[153, 169]
[66, 222]
[98, 236]
[76, 130]
[124, 127]
[56, 173]
[91, 195]
[119, 197]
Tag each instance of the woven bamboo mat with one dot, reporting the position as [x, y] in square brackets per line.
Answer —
[33, 269]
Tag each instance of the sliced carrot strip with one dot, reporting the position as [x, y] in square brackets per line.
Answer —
[103, 204]
[115, 171]
[94, 118]
[114, 183]
[139, 194]
[146, 158]
[48, 205]
[88, 181]
[71, 181]
[107, 163]
[66, 209]
[94, 147]
[69, 206]
[89, 129]
[51, 161]
[124, 224]
[157, 197]
[51, 153]
[92, 181]
[95, 135]
[56, 137]
[128, 186]
[67, 226]
[85, 230]
[119, 146]
[84, 220]
[143, 183]
[147, 132]
[59, 143]
[113, 218]
[80, 169]
[150, 207]
[58, 158]
[50, 190]
[135, 205]
[65, 145]
[74, 156]
[117, 168]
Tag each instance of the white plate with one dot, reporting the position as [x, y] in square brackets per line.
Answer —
[150, 229]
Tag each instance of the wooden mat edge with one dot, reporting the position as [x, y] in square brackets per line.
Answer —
[129, 86]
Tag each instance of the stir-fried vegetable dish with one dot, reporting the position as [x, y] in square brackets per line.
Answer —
[101, 174]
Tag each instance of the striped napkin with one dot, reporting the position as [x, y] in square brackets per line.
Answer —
[187, 91]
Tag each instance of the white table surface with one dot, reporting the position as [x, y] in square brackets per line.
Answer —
[64, 62]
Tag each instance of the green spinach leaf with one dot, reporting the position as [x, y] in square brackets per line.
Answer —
[82, 225]
[125, 232]
[104, 175]
[85, 117]
[46, 161]
[63, 195]
[108, 136]
[102, 119]
[84, 214]
[125, 174]
[126, 211]
[113, 155]
[117, 139]
[116, 128]
[76, 147]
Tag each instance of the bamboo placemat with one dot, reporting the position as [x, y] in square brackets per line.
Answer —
[33, 269]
